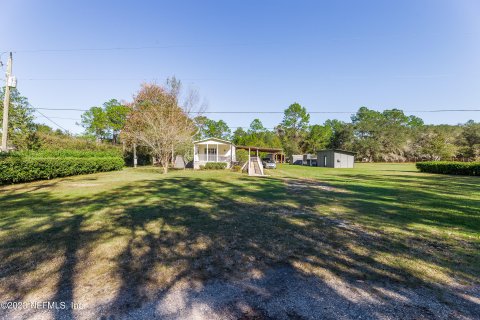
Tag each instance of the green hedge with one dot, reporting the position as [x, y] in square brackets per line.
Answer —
[450, 167]
[17, 168]
[68, 153]
[214, 166]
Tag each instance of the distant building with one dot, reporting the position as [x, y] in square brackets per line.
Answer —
[335, 158]
[310, 160]
[296, 159]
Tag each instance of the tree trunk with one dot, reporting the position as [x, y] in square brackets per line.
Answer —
[164, 160]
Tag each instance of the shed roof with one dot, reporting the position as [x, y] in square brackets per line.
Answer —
[339, 151]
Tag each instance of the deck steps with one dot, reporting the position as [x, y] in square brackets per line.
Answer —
[256, 167]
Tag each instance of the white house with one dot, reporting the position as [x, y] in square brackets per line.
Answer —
[213, 150]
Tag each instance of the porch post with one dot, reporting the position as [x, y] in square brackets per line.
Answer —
[217, 152]
[249, 161]
[207, 152]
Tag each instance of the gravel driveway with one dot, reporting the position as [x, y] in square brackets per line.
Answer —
[284, 293]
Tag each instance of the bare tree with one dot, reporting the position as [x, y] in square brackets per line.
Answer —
[159, 122]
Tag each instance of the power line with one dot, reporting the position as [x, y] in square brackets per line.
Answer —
[248, 127]
[443, 110]
[76, 119]
[52, 121]
[139, 47]
[267, 112]
[61, 118]
[61, 109]
[281, 112]
[73, 119]
[343, 112]
[1, 63]
[87, 79]
[244, 112]
[118, 79]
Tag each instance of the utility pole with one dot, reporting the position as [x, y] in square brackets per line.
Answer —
[10, 82]
[134, 155]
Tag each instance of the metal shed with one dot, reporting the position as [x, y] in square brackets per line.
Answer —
[335, 158]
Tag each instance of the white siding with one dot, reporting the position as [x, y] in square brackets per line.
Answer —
[223, 152]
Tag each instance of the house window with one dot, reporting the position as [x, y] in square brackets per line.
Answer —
[212, 154]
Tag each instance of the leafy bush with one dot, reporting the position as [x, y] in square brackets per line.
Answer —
[450, 167]
[60, 141]
[241, 155]
[237, 168]
[68, 153]
[144, 156]
[4, 155]
[16, 168]
[215, 165]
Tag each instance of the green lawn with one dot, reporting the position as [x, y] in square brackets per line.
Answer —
[139, 231]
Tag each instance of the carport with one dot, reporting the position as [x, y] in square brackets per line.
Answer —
[277, 154]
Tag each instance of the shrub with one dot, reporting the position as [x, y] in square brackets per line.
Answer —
[237, 168]
[68, 153]
[241, 155]
[450, 167]
[215, 165]
[16, 168]
[56, 141]
[144, 156]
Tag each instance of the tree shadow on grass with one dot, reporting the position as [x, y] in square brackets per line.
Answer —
[253, 236]
[233, 235]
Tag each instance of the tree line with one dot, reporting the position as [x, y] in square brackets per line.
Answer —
[389, 136]
[164, 119]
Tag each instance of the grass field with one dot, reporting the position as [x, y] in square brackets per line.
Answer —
[99, 238]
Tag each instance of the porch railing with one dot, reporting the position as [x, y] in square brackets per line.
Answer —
[213, 158]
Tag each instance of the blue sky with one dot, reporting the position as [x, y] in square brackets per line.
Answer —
[250, 55]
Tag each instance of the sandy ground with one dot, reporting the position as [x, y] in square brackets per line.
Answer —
[283, 293]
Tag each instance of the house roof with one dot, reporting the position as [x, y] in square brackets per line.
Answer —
[215, 139]
[339, 151]
[252, 148]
